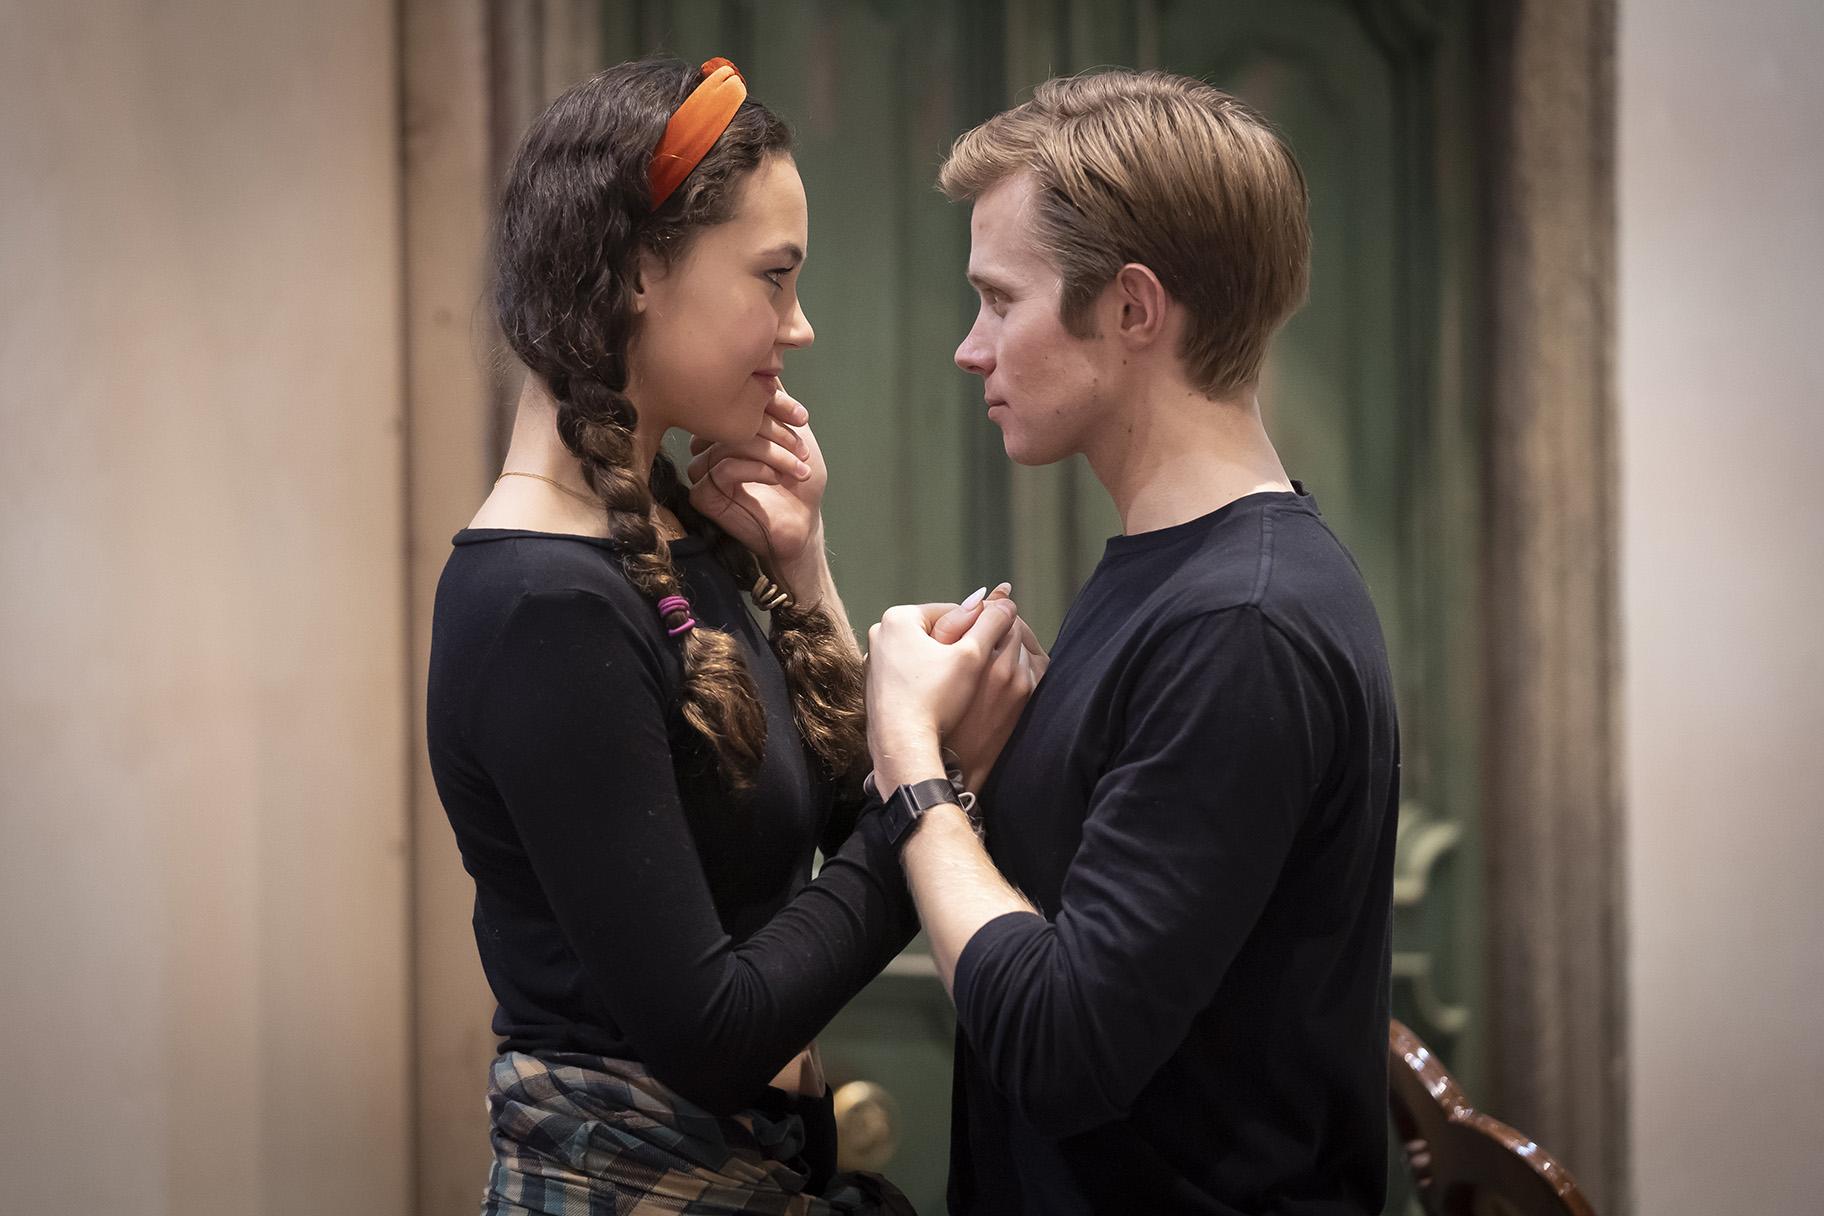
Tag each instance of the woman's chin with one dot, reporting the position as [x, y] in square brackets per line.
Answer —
[1022, 451]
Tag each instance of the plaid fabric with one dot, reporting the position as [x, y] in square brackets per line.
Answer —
[591, 1136]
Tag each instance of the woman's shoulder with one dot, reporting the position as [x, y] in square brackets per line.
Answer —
[509, 570]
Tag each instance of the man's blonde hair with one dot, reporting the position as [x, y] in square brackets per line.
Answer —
[1171, 173]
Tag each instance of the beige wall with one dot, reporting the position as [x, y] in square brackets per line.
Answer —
[1722, 410]
[203, 723]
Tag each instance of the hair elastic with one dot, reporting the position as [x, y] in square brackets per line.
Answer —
[679, 606]
[696, 126]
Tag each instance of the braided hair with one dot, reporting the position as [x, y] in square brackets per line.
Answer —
[574, 220]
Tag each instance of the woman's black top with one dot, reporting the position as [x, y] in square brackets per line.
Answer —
[624, 904]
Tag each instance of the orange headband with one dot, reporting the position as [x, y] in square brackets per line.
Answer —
[694, 129]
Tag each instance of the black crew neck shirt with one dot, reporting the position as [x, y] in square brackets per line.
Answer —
[624, 905]
[1200, 799]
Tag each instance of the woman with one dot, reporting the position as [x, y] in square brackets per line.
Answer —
[636, 777]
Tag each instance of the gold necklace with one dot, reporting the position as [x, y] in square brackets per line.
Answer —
[552, 482]
[664, 530]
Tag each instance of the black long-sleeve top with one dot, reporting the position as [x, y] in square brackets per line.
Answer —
[625, 906]
[1201, 800]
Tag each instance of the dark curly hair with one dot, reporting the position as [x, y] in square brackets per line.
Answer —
[574, 220]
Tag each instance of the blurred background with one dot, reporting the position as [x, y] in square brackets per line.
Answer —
[1560, 385]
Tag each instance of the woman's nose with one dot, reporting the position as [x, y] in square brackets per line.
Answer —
[798, 331]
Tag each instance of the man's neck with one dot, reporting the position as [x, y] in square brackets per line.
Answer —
[1172, 455]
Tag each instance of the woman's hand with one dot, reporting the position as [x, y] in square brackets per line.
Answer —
[1006, 685]
[803, 1074]
[919, 688]
[767, 491]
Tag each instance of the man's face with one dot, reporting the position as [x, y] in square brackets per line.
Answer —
[1045, 389]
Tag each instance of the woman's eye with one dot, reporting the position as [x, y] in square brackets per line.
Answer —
[774, 276]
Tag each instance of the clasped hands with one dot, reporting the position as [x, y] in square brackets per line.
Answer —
[950, 676]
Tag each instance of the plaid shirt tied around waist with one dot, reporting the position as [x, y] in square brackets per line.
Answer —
[591, 1136]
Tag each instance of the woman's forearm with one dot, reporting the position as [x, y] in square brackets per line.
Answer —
[813, 587]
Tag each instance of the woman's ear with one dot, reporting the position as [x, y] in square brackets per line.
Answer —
[648, 272]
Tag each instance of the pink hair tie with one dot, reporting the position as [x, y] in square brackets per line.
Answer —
[677, 605]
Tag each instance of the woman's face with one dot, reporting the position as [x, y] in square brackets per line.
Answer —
[715, 324]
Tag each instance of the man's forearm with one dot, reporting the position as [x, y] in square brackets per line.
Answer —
[953, 880]
[955, 885]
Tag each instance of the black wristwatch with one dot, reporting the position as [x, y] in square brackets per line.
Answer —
[908, 804]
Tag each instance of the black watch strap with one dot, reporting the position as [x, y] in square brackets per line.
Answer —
[908, 803]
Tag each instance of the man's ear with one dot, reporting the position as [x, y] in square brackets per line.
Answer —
[1139, 302]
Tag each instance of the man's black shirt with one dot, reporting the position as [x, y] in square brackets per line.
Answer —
[1201, 800]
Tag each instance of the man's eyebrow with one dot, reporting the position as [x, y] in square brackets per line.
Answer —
[986, 282]
[788, 250]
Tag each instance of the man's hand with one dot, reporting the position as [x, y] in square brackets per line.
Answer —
[1012, 673]
[919, 688]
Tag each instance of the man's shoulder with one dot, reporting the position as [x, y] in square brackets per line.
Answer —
[1267, 557]
[1276, 575]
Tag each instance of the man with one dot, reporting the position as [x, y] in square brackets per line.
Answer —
[1170, 963]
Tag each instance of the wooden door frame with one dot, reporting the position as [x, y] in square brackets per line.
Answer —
[472, 74]
[473, 71]
[1552, 810]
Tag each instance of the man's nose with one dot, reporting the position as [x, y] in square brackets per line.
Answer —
[973, 357]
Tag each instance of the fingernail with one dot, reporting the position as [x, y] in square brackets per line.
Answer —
[1003, 589]
[973, 600]
[804, 470]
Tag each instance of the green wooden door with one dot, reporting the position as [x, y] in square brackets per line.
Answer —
[1370, 393]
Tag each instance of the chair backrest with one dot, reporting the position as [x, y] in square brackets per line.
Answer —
[1463, 1162]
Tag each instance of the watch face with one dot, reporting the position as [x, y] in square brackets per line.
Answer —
[910, 802]
[901, 815]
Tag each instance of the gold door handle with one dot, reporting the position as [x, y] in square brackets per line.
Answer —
[867, 1126]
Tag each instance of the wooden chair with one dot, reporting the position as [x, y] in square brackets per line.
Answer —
[1463, 1162]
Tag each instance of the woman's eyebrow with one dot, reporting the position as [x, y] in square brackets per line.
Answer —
[788, 250]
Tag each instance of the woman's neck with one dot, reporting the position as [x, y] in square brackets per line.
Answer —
[536, 449]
